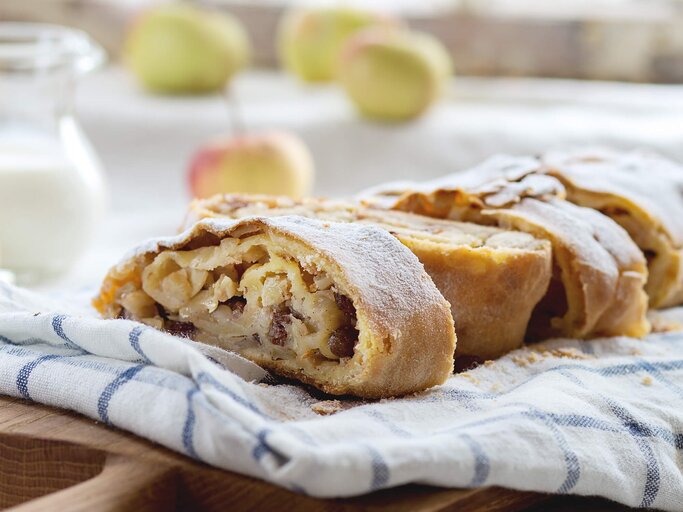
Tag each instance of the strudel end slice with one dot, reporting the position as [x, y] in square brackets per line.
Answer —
[644, 194]
[598, 272]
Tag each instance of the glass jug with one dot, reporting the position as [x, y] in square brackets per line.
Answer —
[51, 182]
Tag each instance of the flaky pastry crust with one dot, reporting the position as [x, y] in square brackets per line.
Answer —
[641, 192]
[599, 273]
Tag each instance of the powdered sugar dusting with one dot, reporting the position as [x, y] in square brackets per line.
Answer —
[387, 275]
[653, 183]
[505, 181]
[499, 181]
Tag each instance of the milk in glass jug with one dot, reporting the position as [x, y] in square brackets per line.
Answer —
[51, 182]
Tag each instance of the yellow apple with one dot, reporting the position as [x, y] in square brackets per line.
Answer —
[276, 163]
[393, 74]
[309, 40]
[179, 48]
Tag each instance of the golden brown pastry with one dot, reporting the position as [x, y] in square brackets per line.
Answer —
[492, 278]
[598, 274]
[641, 192]
[343, 307]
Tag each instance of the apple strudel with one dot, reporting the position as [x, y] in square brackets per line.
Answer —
[343, 307]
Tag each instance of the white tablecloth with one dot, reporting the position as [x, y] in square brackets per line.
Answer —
[146, 142]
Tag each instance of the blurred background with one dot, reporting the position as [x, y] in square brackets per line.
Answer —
[328, 98]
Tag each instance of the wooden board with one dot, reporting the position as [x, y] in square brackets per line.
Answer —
[56, 460]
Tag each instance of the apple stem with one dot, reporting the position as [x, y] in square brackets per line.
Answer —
[234, 111]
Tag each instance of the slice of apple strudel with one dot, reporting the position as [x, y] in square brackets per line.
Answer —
[598, 272]
[644, 194]
[492, 278]
[343, 307]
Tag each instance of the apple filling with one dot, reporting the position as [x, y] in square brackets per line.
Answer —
[245, 295]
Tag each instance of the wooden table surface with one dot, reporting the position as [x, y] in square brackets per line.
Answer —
[52, 459]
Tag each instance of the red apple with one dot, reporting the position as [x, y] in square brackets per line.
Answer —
[277, 163]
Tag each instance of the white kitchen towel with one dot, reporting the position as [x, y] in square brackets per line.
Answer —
[594, 418]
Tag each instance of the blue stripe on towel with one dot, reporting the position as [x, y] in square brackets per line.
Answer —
[652, 369]
[25, 373]
[571, 460]
[206, 378]
[482, 465]
[263, 447]
[112, 387]
[380, 469]
[134, 338]
[59, 330]
[640, 431]
[188, 427]
[390, 425]
[29, 341]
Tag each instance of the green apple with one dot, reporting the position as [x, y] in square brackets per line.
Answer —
[309, 40]
[393, 74]
[178, 48]
[276, 163]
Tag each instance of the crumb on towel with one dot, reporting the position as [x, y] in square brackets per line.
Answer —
[534, 355]
[327, 407]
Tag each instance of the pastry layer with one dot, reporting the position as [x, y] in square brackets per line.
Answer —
[343, 307]
[641, 192]
[598, 271]
[492, 278]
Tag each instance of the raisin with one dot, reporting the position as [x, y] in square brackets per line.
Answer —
[342, 342]
[203, 240]
[123, 314]
[236, 304]
[162, 312]
[345, 305]
[613, 210]
[278, 330]
[240, 269]
[182, 329]
[465, 362]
